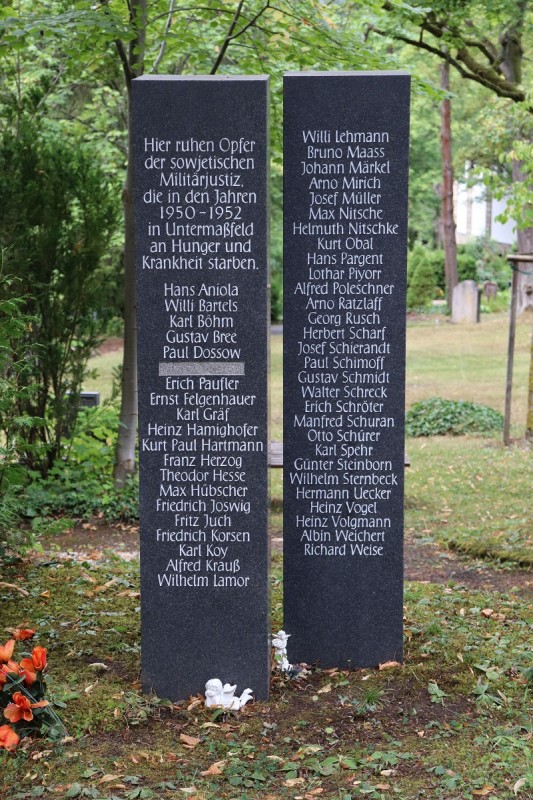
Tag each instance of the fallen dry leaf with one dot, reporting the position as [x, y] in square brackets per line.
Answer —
[483, 791]
[383, 786]
[195, 701]
[390, 665]
[293, 782]
[189, 741]
[314, 792]
[325, 689]
[108, 778]
[214, 769]
[487, 612]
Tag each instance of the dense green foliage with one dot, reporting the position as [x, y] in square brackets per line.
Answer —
[14, 425]
[439, 417]
[421, 282]
[81, 481]
[58, 213]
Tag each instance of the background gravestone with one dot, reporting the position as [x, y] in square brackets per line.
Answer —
[466, 302]
[201, 241]
[346, 140]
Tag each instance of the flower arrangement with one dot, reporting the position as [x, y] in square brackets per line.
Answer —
[23, 709]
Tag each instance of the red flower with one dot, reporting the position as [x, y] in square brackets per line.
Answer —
[38, 657]
[21, 708]
[8, 738]
[27, 668]
[6, 651]
[21, 634]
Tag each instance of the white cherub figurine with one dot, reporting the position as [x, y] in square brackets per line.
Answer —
[224, 696]
[213, 692]
[279, 643]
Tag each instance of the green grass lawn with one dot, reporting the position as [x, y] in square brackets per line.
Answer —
[452, 723]
[469, 362]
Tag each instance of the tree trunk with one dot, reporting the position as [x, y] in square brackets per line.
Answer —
[133, 66]
[448, 222]
[127, 432]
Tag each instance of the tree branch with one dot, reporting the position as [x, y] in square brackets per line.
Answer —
[464, 62]
[121, 50]
[227, 40]
[163, 47]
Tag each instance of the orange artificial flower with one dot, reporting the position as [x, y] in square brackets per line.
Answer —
[8, 738]
[38, 656]
[11, 668]
[6, 651]
[21, 634]
[21, 708]
[27, 667]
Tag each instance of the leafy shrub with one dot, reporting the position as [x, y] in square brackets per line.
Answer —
[479, 260]
[466, 267]
[421, 285]
[439, 417]
[81, 482]
[14, 424]
[500, 302]
[58, 215]
[276, 298]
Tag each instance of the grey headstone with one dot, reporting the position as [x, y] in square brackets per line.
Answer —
[201, 155]
[346, 143]
[490, 289]
[466, 302]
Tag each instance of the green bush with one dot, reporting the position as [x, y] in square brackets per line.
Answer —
[276, 298]
[13, 424]
[81, 481]
[421, 284]
[439, 417]
[437, 259]
[58, 214]
[466, 267]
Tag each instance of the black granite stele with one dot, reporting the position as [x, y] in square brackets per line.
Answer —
[346, 140]
[201, 174]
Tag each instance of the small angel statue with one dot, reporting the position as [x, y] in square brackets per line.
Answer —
[223, 696]
[279, 643]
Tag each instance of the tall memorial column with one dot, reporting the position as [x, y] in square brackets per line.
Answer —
[346, 141]
[202, 308]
